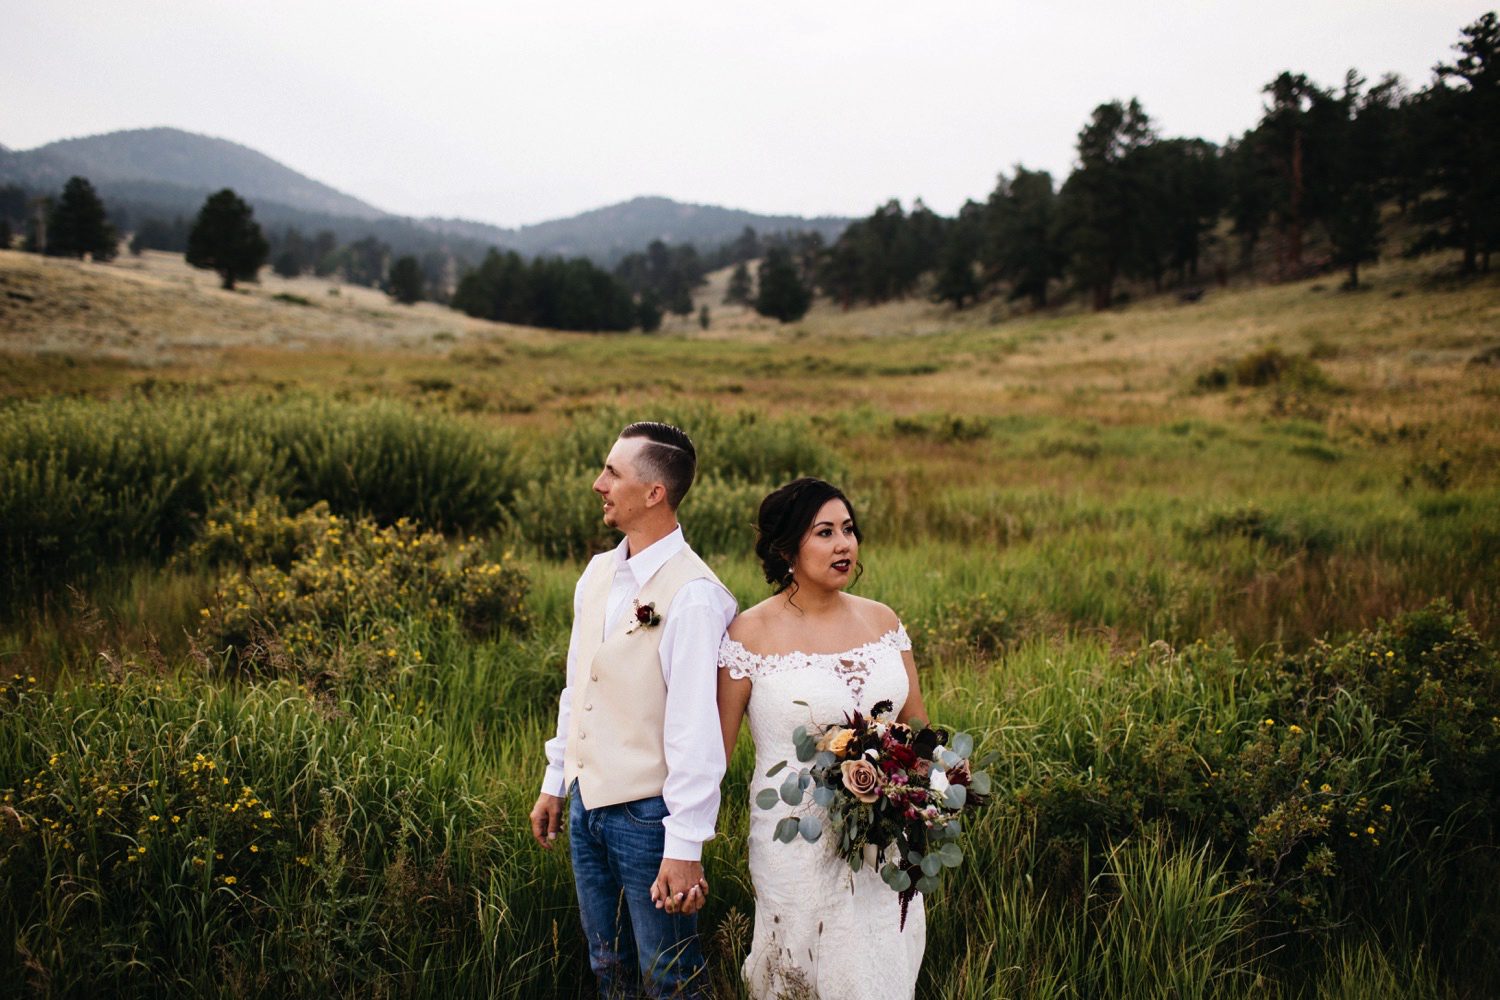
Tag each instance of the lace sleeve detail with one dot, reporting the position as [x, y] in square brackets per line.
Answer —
[899, 639]
[739, 661]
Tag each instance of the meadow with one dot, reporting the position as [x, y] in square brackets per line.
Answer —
[284, 620]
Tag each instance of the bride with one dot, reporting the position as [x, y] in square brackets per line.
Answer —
[812, 654]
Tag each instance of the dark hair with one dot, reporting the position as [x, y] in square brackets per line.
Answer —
[670, 457]
[785, 515]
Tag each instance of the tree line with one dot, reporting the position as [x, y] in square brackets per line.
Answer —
[1321, 164]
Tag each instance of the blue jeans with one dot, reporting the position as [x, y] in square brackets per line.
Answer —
[634, 948]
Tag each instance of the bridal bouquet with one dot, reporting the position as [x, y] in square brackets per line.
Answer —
[883, 784]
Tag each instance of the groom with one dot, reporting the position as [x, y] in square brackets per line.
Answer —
[638, 747]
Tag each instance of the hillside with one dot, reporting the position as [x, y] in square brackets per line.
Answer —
[169, 156]
[167, 172]
[1413, 334]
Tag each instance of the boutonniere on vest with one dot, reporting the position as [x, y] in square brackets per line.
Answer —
[645, 617]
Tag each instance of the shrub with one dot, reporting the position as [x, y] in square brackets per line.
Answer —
[87, 484]
[330, 599]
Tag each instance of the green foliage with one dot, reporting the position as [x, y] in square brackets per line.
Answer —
[549, 292]
[782, 294]
[669, 274]
[323, 598]
[741, 290]
[226, 238]
[79, 226]
[85, 484]
[1022, 235]
[405, 281]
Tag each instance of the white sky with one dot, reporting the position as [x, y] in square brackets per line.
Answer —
[514, 113]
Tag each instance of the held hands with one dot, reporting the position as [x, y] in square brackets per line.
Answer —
[680, 887]
[546, 819]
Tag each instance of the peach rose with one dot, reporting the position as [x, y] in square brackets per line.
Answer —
[836, 740]
[862, 779]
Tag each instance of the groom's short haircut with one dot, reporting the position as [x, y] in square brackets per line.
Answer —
[669, 457]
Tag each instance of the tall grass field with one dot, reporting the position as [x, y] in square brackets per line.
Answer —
[282, 633]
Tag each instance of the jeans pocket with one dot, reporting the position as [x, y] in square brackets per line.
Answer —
[646, 812]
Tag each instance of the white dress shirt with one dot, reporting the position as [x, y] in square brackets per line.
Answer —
[692, 740]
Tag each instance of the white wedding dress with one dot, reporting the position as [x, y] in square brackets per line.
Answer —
[821, 930]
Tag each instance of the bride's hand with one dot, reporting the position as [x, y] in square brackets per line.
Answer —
[680, 887]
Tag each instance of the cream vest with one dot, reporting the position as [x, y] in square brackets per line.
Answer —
[619, 699]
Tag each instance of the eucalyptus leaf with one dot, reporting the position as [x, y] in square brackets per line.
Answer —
[962, 744]
[931, 865]
[786, 830]
[806, 751]
[898, 880]
[791, 790]
[825, 758]
[927, 884]
[889, 872]
[798, 701]
[799, 734]
[948, 758]
[857, 862]
[773, 772]
[805, 780]
[811, 828]
[914, 857]
[979, 781]
[767, 798]
[950, 854]
[954, 798]
[822, 795]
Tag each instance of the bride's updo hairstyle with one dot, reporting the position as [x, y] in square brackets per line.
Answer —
[785, 516]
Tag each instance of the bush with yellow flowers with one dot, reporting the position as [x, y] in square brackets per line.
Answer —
[314, 590]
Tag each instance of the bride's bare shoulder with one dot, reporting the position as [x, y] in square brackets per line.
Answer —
[751, 625]
[876, 616]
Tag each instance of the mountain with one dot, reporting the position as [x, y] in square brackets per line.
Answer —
[169, 156]
[167, 172]
[609, 233]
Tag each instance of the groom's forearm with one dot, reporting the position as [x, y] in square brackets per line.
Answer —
[692, 741]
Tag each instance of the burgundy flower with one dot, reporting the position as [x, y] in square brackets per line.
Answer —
[645, 617]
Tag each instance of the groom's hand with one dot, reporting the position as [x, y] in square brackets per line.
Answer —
[680, 887]
[546, 819]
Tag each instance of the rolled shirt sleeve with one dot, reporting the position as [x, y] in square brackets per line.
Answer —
[691, 737]
[554, 782]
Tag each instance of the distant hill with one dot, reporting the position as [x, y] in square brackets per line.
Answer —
[609, 233]
[169, 156]
[166, 172]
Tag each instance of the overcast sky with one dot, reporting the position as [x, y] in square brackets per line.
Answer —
[513, 113]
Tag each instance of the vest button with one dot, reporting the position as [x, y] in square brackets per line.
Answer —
[593, 677]
[583, 736]
[588, 708]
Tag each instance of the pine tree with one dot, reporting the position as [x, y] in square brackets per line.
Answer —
[226, 238]
[78, 224]
[1101, 202]
[1021, 239]
[739, 292]
[405, 281]
[1463, 107]
[782, 295]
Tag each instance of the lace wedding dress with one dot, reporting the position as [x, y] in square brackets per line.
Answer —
[821, 930]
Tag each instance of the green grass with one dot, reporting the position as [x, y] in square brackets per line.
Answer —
[1114, 572]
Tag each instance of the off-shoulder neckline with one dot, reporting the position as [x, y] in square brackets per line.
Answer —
[880, 640]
